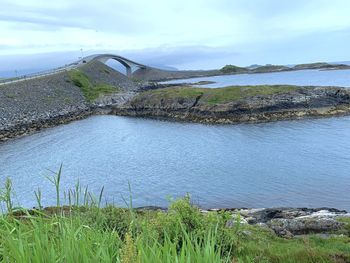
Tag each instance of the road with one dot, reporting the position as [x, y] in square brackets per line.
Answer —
[41, 74]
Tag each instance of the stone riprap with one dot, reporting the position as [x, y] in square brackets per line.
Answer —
[31, 105]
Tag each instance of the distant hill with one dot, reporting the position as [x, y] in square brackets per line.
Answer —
[341, 62]
[163, 67]
[255, 68]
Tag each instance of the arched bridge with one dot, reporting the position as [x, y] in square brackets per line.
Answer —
[127, 63]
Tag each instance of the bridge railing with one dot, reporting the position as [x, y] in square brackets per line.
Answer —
[39, 74]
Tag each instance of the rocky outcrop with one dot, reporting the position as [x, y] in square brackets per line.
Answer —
[287, 222]
[297, 103]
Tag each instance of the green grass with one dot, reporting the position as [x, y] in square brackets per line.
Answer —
[81, 231]
[178, 92]
[91, 92]
[223, 95]
[217, 95]
[346, 228]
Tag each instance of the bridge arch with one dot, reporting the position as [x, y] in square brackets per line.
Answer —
[127, 63]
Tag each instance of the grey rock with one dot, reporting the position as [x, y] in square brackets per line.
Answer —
[304, 225]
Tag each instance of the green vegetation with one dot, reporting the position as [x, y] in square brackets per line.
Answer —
[176, 92]
[270, 68]
[233, 69]
[318, 65]
[217, 95]
[223, 95]
[82, 231]
[346, 221]
[90, 91]
[258, 69]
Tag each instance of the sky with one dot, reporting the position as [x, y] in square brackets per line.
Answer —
[186, 34]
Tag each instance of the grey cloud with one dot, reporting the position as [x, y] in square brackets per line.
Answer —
[109, 17]
[262, 20]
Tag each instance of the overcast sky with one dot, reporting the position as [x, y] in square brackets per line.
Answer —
[181, 33]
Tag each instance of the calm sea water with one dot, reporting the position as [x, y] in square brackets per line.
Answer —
[303, 77]
[286, 163]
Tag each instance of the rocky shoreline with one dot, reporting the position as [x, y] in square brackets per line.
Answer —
[285, 222]
[102, 106]
[152, 74]
[288, 222]
[205, 107]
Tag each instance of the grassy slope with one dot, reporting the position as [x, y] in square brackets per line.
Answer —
[91, 92]
[218, 95]
[83, 232]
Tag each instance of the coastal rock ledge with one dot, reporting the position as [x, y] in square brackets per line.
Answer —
[238, 104]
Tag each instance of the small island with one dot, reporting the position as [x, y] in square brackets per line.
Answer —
[237, 104]
[268, 68]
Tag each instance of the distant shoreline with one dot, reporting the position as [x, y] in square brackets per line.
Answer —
[167, 75]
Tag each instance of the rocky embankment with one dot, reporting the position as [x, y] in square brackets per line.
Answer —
[31, 105]
[238, 104]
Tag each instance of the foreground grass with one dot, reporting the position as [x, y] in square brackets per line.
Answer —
[84, 232]
[90, 91]
[217, 95]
